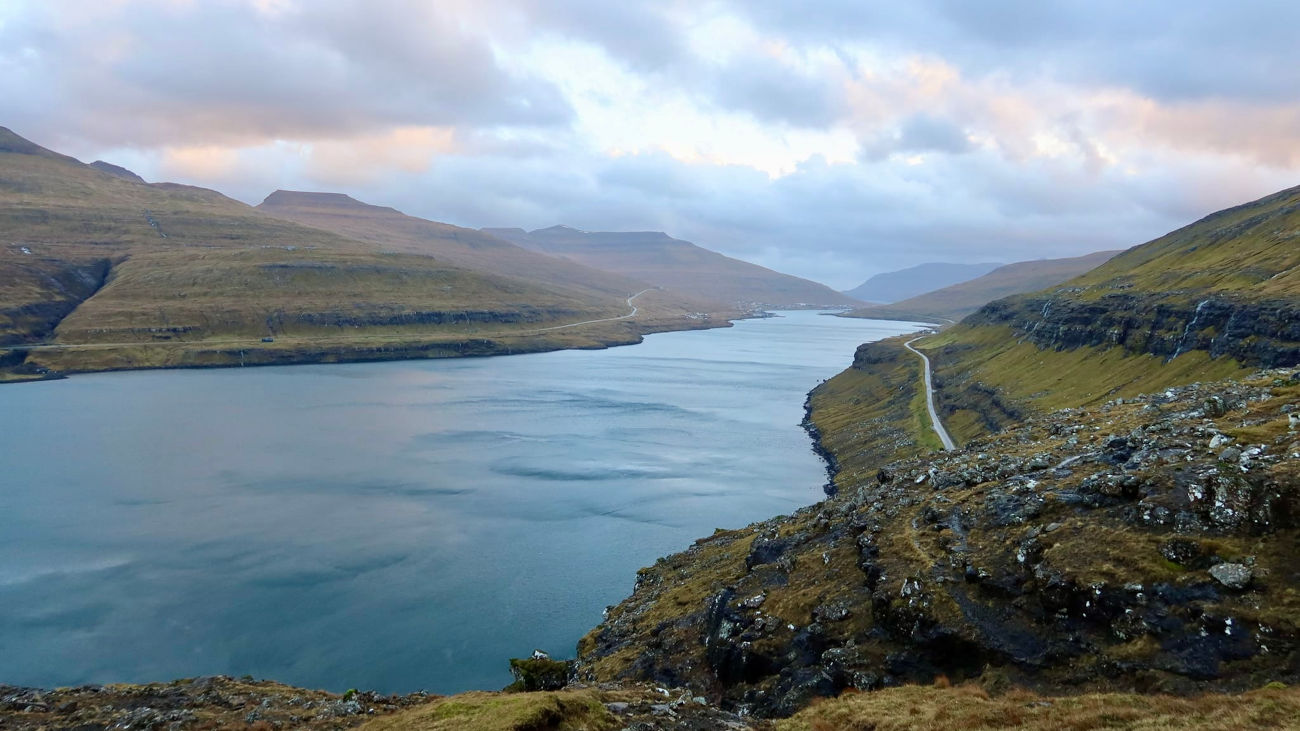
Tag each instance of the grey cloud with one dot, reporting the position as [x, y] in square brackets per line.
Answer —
[1168, 49]
[918, 133]
[641, 34]
[776, 93]
[218, 72]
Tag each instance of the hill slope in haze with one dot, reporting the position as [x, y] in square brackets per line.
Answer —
[100, 270]
[958, 300]
[892, 287]
[393, 231]
[681, 266]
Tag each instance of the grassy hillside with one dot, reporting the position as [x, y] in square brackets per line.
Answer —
[1214, 299]
[392, 231]
[954, 302]
[101, 270]
[681, 266]
[1117, 548]
[904, 284]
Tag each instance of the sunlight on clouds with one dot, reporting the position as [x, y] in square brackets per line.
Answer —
[367, 158]
[200, 161]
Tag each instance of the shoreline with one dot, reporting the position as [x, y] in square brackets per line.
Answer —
[480, 347]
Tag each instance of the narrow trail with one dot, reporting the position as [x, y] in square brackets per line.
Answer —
[325, 339]
[929, 397]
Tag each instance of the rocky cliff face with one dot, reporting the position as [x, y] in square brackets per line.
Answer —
[1147, 545]
[53, 289]
[1259, 333]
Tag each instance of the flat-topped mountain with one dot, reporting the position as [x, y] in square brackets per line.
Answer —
[958, 300]
[905, 283]
[681, 266]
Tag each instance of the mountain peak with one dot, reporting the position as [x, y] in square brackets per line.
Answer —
[310, 198]
[559, 229]
[116, 171]
[319, 201]
[15, 144]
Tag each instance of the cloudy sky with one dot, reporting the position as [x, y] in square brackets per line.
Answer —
[830, 139]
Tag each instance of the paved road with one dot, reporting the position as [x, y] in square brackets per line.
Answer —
[325, 338]
[929, 398]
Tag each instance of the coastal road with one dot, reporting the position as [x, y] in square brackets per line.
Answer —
[929, 397]
[604, 319]
[328, 338]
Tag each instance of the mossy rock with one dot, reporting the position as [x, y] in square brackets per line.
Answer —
[533, 674]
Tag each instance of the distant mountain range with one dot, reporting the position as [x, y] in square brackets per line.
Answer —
[657, 258]
[958, 300]
[904, 283]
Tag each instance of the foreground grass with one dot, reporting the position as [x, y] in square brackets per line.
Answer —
[578, 710]
[971, 708]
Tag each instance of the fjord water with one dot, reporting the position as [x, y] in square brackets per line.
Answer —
[393, 526]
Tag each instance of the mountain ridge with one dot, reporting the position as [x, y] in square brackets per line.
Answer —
[955, 301]
[677, 265]
[103, 271]
[891, 287]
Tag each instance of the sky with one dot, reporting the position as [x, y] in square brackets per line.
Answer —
[832, 140]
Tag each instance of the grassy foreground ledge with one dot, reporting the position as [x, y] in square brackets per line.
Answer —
[228, 703]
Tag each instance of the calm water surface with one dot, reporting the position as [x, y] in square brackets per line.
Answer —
[393, 526]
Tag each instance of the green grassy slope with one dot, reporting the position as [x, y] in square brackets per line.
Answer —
[956, 301]
[390, 230]
[1214, 299]
[90, 257]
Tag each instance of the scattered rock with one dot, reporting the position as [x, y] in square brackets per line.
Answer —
[1232, 575]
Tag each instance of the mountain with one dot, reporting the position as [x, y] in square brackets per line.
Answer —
[958, 300]
[116, 170]
[1213, 299]
[99, 270]
[906, 283]
[393, 231]
[681, 266]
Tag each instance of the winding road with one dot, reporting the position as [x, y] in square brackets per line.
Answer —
[603, 319]
[929, 397]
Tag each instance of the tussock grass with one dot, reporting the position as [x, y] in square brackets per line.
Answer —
[970, 708]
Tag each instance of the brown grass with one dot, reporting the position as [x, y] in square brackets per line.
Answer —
[970, 708]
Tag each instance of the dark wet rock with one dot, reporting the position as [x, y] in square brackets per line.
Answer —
[766, 550]
[1184, 552]
[1005, 509]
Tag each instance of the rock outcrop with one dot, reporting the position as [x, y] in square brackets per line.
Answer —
[1258, 333]
[1113, 548]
